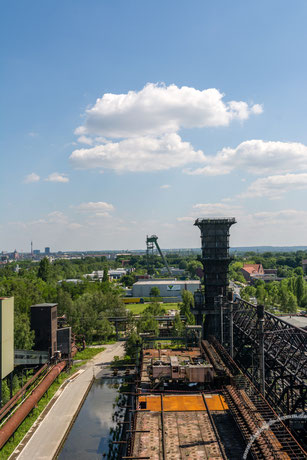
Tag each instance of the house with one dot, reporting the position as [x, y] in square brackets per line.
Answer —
[250, 270]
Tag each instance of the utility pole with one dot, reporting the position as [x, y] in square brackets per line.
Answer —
[260, 315]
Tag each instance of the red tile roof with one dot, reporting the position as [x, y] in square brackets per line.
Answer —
[252, 268]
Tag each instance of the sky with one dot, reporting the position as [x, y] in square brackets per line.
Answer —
[126, 118]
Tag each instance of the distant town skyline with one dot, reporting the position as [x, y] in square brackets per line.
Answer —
[126, 119]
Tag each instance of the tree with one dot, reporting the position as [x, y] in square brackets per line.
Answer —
[104, 329]
[5, 392]
[299, 288]
[148, 323]
[292, 303]
[186, 306]
[23, 336]
[193, 265]
[260, 293]
[154, 292]
[299, 271]
[183, 265]
[105, 278]
[44, 269]
[154, 309]
[132, 344]
[128, 280]
[64, 301]
[178, 327]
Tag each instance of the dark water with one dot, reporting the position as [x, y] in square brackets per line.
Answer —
[96, 424]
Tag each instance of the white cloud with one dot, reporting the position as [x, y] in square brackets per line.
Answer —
[215, 209]
[33, 134]
[102, 214]
[165, 186]
[186, 219]
[159, 109]
[85, 140]
[57, 217]
[98, 207]
[276, 186]
[256, 157]
[33, 177]
[74, 225]
[57, 177]
[211, 210]
[138, 154]
[280, 217]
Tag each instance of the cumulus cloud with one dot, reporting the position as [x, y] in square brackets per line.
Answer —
[57, 177]
[97, 207]
[215, 209]
[276, 186]
[256, 157]
[33, 177]
[57, 217]
[282, 216]
[138, 154]
[211, 210]
[159, 109]
[85, 140]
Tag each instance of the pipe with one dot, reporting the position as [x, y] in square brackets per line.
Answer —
[17, 418]
[4, 410]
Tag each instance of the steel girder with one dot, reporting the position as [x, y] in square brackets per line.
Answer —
[285, 356]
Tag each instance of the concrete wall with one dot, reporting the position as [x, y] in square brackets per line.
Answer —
[7, 335]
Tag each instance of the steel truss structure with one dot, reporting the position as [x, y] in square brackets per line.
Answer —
[285, 356]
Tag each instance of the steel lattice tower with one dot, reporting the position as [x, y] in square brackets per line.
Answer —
[215, 259]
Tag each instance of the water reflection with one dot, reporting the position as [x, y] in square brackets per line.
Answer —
[97, 424]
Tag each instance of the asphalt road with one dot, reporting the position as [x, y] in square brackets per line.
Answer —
[45, 436]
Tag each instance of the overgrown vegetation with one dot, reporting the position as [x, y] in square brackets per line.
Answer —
[86, 304]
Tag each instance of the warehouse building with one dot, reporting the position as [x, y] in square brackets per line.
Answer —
[167, 288]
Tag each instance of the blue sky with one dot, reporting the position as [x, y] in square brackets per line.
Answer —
[126, 118]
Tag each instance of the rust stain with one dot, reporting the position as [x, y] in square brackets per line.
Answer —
[178, 403]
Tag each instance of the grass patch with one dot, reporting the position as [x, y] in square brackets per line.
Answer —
[88, 353]
[166, 344]
[138, 308]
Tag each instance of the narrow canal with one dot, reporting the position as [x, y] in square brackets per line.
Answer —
[97, 423]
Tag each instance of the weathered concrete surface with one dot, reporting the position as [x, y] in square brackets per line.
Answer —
[46, 435]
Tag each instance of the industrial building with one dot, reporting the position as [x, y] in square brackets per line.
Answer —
[167, 288]
[44, 325]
